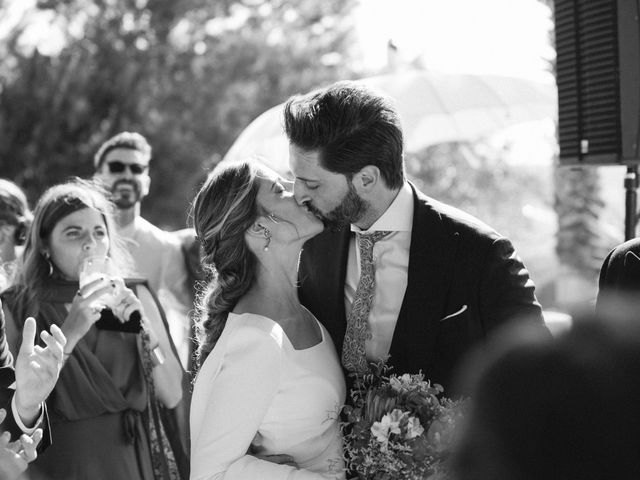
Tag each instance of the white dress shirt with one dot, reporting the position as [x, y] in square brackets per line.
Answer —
[391, 264]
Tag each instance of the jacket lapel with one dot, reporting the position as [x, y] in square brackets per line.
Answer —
[431, 259]
[323, 269]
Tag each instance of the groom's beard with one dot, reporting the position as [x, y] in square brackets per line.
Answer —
[350, 210]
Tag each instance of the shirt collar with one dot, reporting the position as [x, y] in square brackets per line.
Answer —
[398, 217]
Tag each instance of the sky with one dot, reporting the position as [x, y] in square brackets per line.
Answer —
[497, 37]
[504, 37]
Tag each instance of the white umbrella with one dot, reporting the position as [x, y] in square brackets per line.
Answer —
[434, 108]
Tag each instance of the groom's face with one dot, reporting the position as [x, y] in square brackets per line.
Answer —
[330, 196]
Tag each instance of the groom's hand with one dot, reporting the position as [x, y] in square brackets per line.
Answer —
[279, 459]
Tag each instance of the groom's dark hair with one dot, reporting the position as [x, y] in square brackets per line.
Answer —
[351, 127]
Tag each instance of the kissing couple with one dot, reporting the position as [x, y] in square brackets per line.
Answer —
[312, 280]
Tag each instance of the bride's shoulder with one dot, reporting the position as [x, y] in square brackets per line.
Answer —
[246, 339]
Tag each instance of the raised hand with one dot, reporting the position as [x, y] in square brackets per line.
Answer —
[14, 456]
[125, 301]
[37, 369]
[84, 311]
[26, 446]
[11, 463]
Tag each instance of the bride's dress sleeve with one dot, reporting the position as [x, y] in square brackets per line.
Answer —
[239, 393]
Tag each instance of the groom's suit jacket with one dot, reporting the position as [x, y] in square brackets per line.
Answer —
[464, 280]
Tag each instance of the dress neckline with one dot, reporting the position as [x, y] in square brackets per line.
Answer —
[322, 334]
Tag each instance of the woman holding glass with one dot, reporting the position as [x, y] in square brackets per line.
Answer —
[104, 420]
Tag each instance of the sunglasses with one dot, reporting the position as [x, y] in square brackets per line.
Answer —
[118, 167]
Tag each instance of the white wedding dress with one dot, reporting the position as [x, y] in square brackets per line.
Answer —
[255, 389]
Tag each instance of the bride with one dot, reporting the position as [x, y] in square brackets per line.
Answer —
[267, 395]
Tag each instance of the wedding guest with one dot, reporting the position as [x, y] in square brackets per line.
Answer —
[15, 218]
[560, 409]
[104, 409]
[122, 163]
[267, 395]
[396, 273]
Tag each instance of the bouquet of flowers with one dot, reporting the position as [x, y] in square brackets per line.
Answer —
[398, 427]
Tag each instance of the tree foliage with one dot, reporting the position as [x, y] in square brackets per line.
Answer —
[187, 74]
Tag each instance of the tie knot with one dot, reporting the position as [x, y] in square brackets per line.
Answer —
[373, 237]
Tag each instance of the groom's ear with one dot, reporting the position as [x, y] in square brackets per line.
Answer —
[366, 180]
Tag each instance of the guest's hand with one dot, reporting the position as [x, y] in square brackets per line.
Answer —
[26, 446]
[125, 301]
[14, 456]
[37, 369]
[11, 464]
[84, 312]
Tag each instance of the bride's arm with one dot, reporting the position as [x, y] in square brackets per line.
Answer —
[230, 400]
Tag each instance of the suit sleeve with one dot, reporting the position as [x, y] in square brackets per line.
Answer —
[7, 378]
[240, 393]
[507, 292]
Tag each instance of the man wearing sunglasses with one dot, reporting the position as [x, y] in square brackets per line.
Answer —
[122, 164]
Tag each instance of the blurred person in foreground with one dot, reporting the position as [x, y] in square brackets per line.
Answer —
[557, 409]
[15, 218]
[269, 389]
[105, 408]
[620, 271]
[397, 273]
[122, 165]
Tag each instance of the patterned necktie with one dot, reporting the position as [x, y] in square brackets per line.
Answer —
[354, 356]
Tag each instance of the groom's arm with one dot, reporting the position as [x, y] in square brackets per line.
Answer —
[507, 292]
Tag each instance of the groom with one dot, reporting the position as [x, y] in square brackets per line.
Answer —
[431, 282]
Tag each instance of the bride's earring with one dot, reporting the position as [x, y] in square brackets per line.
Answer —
[267, 235]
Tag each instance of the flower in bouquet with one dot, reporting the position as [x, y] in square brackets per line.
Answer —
[398, 427]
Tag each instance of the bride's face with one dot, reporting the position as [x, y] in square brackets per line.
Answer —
[287, 221]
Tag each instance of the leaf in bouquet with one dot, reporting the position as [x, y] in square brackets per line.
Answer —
[379, 402]
[426, 413]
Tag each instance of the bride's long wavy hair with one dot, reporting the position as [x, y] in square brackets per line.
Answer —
[223, 210]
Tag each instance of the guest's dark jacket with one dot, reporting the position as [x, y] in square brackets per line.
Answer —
[464, 280]
[7, 378]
